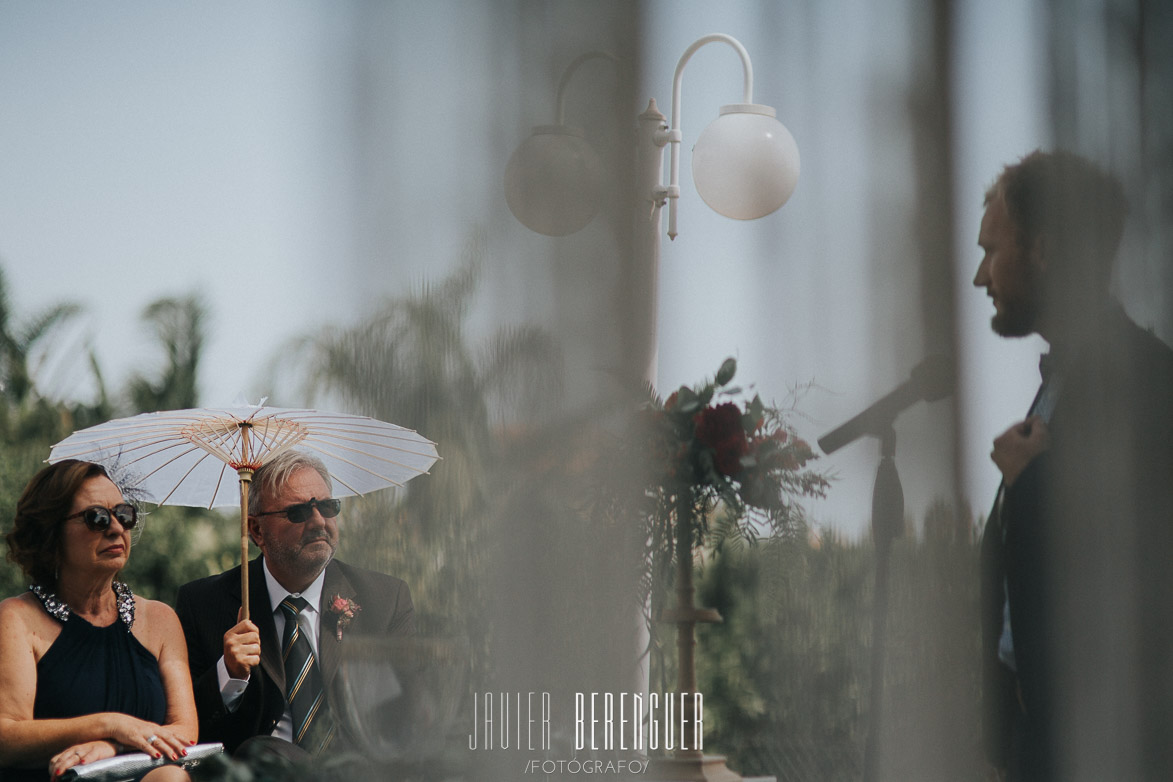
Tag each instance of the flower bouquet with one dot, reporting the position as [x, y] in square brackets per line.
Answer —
[715, 460]
[714, 464]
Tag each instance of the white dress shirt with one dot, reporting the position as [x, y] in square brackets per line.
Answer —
[231, 690]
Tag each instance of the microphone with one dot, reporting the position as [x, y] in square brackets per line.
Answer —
[931, 380]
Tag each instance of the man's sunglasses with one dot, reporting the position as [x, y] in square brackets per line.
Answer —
[301, 512]
[98, 518]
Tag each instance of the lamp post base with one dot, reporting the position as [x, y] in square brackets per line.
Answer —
[701, 768]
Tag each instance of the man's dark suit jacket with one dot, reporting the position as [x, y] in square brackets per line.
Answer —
[208, 608]
[1098, 497]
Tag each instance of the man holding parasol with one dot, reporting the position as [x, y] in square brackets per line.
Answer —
[272, 676]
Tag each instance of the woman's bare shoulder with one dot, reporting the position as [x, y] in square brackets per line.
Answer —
[156, 619]
[24, 617]
[154, 610]
[20, 610]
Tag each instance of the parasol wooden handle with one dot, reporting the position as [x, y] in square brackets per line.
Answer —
[245, 471]
[246, 476]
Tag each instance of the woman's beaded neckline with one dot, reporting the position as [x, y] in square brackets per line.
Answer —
[57, 608]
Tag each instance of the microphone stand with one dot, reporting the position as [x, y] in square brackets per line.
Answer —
[931, 380]
[887, 525]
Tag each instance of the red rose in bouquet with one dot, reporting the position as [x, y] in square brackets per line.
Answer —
[720, 428]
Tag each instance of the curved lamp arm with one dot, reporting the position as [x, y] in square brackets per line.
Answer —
[553, 178]
[673, 135]
[570, 69]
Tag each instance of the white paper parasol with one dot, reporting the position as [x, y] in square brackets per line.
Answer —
[191, 457]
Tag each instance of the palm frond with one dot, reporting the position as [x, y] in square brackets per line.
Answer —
[5, 312]
[521, 366]
[42, 324]
[180, 328]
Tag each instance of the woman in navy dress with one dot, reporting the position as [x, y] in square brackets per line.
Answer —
[87, 670]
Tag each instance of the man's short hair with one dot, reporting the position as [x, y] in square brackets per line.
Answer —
[272, 476]
[1076, 207]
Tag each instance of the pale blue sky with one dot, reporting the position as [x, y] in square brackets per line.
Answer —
[158, 149]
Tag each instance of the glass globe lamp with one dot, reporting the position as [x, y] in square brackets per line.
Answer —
[553, 181]
[745, 164]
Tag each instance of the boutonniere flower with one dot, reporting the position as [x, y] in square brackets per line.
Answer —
[344, 610]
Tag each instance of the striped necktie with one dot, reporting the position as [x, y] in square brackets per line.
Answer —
[313, 725]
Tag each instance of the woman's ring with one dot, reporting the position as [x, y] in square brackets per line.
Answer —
[151, 739]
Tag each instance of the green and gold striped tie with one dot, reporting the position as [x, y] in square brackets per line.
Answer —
[313, 725]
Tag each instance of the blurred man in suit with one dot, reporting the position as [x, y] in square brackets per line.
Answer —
[1085, 476]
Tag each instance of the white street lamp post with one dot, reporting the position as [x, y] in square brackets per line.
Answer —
[745, 165]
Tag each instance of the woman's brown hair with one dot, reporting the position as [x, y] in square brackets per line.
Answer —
[34, 543]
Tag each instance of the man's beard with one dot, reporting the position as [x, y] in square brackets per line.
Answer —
[1011, 323]
[296, 558]
[1016, 317]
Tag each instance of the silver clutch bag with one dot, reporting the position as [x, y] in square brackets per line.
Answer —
[128, 768]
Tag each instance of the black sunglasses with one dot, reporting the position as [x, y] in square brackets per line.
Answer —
[98, 518]
[301, 512]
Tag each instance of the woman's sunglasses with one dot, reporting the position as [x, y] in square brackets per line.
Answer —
[98, 518]
[301, 512]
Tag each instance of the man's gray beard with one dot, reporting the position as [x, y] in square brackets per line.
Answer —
[290, 558]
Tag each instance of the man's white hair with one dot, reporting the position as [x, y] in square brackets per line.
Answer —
[272, 476]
